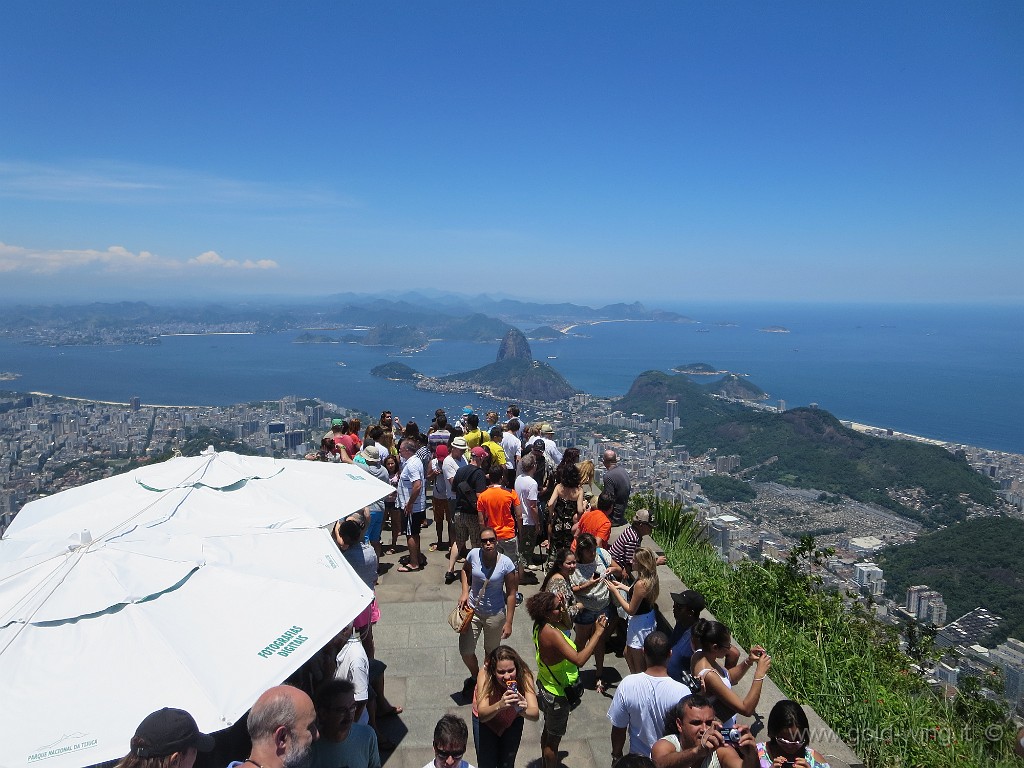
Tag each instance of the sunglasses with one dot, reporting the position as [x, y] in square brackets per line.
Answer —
[488, 541]
[449, 755]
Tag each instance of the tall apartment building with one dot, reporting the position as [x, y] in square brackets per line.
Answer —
[914, 597]
[1009, 657]
[869, 578]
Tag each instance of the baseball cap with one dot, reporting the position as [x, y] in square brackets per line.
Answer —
[643, 516]
[480, 453]
[467, 410]
[689, 599]
[167, 731]
[460, 443]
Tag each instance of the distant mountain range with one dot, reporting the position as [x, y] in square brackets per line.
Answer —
[408, 320]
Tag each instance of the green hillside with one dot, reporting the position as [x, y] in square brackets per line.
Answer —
[651, 389]
[810, 448]
[736, 387]
[975, 563]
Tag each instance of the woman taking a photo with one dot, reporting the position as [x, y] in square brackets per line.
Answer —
[639, 604]
[590, 585]
[558, 582]
[788, 737]
[714, 641]
[505, 694]
[558, 668]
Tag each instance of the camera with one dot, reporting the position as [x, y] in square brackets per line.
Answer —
[731, 735]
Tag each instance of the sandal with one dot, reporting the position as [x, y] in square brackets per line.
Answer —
[599, 686]
[433, 548]
[394, 711]
[392, 550]
[407, 569]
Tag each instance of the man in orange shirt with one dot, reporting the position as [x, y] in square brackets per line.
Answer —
[499, 508]
[597, 522]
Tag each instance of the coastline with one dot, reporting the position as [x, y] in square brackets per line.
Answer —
[869, 429]
[114, 402]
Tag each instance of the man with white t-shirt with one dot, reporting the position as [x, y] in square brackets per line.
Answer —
[526, 487]
[513, 448]
[412, 500]
[354, 666]
[458, 532]
[642, 699]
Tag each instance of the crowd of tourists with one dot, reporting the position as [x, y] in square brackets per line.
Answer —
[516, 509]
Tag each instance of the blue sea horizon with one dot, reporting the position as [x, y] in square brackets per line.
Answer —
[948, 372]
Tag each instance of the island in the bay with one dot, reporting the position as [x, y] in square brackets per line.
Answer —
[513, 374]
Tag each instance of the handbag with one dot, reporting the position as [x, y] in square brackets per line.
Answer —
[459, 618]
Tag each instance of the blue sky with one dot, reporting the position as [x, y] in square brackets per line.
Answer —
[586, 151]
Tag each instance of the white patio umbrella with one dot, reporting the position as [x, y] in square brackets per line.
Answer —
[196, 584]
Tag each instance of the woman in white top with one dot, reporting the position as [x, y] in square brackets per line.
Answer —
[714, 640]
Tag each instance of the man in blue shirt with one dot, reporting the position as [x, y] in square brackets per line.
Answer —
[686, 608]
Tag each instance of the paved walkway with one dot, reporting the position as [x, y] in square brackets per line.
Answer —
[425, 672]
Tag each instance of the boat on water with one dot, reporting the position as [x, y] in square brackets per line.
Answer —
[552, 357]
[342, 364]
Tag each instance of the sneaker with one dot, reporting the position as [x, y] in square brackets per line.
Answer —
[519, 598]
[450, 577]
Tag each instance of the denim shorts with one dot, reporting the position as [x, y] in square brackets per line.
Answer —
[587, 616]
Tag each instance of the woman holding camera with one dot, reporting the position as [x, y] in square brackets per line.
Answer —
[715, 640]
[558, 667]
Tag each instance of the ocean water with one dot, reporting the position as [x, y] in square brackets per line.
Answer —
[950, 373]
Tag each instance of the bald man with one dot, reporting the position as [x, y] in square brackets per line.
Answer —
[282, 726]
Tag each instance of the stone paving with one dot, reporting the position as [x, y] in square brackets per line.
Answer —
[425, 673]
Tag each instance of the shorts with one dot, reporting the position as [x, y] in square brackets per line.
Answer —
[639, 628]
[556, 711]
[373, 530]
[412, 524]
[488, 626]
[587, 616]
[459, 529]
[527, 541]
[510, 548]
[473, 526]
[365, 617]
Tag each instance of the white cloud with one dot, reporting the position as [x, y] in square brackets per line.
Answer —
[114, 260]
[132, 184]
[214, 259]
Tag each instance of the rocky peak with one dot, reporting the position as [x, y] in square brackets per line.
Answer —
[514, 347]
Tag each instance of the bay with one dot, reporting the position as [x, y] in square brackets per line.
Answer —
[949, 373]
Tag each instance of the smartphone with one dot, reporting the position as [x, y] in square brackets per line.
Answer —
[512, 686]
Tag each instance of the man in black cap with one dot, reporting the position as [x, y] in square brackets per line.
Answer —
[686, 608]
[170, 733]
